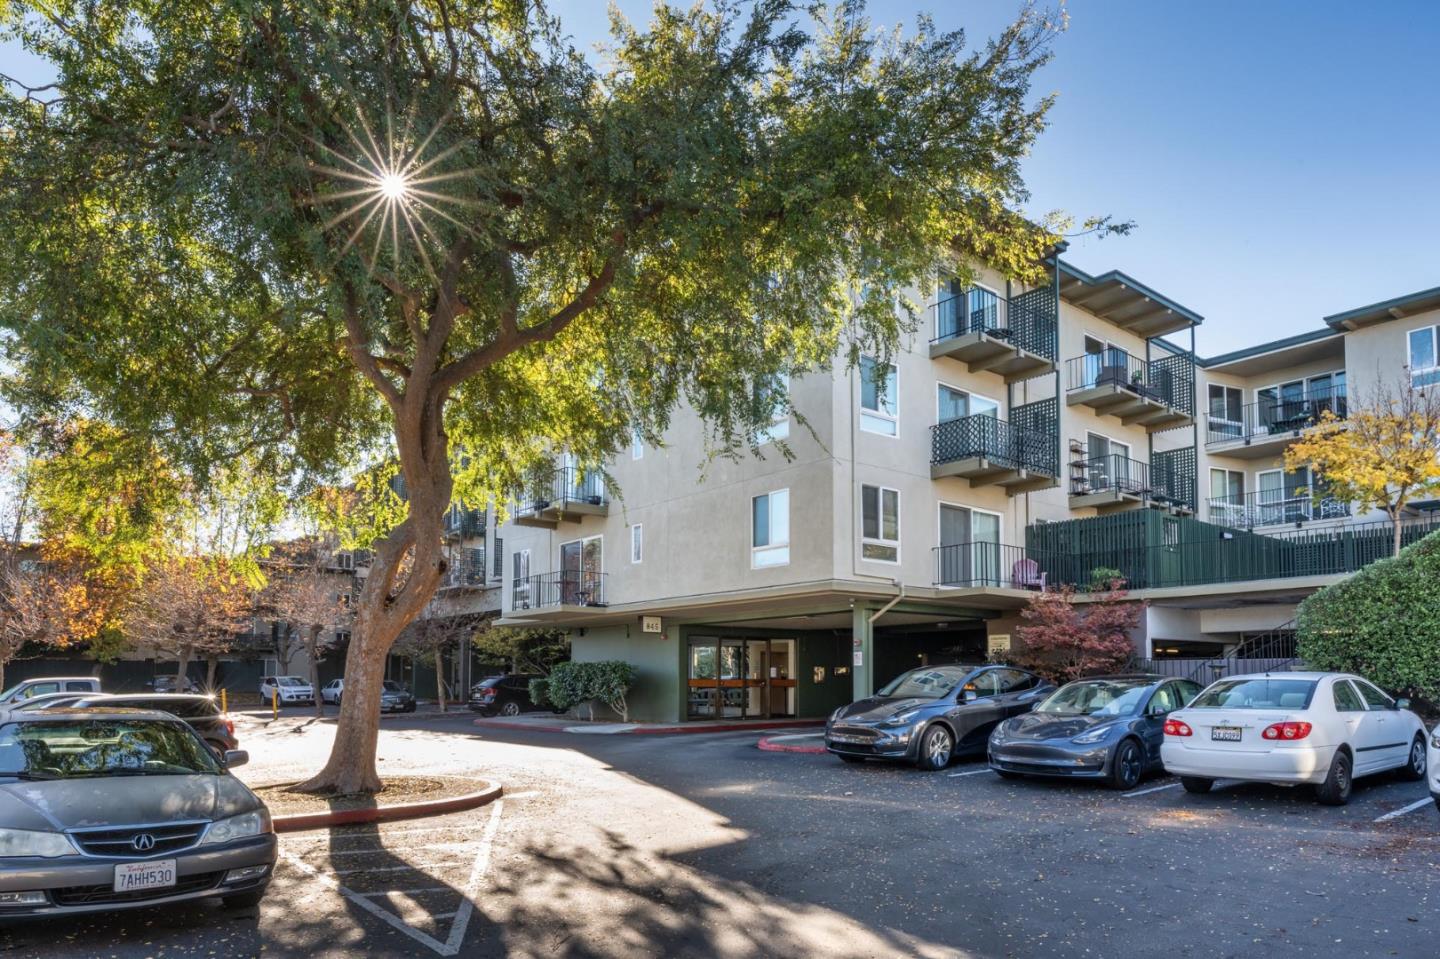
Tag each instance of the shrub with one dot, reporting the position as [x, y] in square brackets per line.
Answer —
[1381, 623]
[540, 692]
[1064, 640]
[573, 684]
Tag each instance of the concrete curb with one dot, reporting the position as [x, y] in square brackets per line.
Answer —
[660, 730]
[774, 744]
[297, 822]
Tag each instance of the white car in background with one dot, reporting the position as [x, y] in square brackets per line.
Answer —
[1434, 764]
[293, 690]
[1321, 729]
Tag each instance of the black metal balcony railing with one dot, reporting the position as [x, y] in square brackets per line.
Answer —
[1169, 380]
[993, 565]
[464, 523]
[565, 588]
[565, 486]
[1273, 508]
[994, 439]
[1109, 473]
[1028, 320]
[1269, 417]
[466, 568]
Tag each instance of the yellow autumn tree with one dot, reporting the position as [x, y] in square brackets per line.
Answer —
[1384, 455]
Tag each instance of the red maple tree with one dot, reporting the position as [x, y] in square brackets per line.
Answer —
[1064, 640]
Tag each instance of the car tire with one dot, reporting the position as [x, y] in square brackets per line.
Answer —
[244, 900]
[511, 708]
[410, 707]
[937, 747]
[1196, 784]
[1414, 769]
[1335, 790]
[850, 759]
[1127, 765]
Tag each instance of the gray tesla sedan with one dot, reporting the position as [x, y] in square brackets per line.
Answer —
[1106, 727]
[105, 809]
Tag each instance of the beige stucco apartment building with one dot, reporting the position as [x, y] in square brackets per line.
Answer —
[1021, 438]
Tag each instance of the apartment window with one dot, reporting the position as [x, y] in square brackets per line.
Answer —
[637, 445]
[637, 543]
[879, 390]
[499, 571]
[770, 529]
[1227, 484]
[1225, 403]
[772, 391]
[520, 568]
[880, 524]
[1424, 364]
[345, 559]
[952, 404]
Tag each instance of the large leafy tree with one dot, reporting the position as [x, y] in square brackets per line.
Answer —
[328, 233]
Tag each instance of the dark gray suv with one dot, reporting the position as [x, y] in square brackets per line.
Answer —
[931, 714]
[105, 809]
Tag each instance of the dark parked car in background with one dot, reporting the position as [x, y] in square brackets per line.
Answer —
[170, 683]
[395, 698]
[201, 713]
[1105, 727]
[503, 695]
[105, 809]
[930, 714]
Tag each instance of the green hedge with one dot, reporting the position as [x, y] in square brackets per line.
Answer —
[576, 684]
[1382, 623]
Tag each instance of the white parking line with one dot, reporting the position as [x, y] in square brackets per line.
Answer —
[970, 772]
[1417, 804]
[1152, 789]
[414, 867]
[378, 849]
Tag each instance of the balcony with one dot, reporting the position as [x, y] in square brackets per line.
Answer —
[1273, 508]
[1266, 427]
[1014, 338]
[465, 569]
[988, 450]
[981, 565]
[569, 495]
[566, 590]
[1157, 394]
[463, 523]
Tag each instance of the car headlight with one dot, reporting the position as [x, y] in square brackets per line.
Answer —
[836, 714]
[255, 823]
[30, 842]
[998, 733]
[1098, 734]
[1435, 738]
[902, 719]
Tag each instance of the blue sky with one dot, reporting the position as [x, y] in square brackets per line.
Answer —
[1280, 158]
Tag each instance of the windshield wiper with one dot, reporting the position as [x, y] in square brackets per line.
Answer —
[28, 775]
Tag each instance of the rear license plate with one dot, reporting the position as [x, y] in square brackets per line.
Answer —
[1225, 734]
[145, 875]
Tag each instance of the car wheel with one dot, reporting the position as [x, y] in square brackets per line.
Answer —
[410, 706]
[1127, 765]
[850, 759]
[1196, 784]
[1335, 790]
[511, 708]
[1414, 770]
[936, 747]
[244, 900]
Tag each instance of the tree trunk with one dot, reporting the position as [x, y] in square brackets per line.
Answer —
[312, 649]
[182, 668]
[440, 678]
[1395, 522]
[285, 650]
[212, 660]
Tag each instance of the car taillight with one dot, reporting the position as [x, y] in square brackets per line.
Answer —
[1174, 727]
[1286, 731]
[488, 694]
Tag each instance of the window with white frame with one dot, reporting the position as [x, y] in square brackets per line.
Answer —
[520, 576]
[773, 391]
[1424, 356]
[879, 397]
[953, 404]
[637, 543]
[770, 529]
[345, 559]
[880, 524]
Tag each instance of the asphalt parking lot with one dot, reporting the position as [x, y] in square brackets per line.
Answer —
[703, 845]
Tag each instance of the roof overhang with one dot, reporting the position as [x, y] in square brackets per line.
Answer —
[1386, 310]
[1125, 301]
[1292, 351]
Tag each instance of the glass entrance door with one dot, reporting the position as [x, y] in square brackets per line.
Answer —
[740, 678]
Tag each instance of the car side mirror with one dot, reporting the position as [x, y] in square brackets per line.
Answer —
[970, 696]
[236, 757]
[1402, 704]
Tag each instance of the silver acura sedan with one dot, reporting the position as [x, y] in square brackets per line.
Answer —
[105, 809]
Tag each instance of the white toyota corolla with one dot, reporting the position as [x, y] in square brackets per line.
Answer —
[1324, 729]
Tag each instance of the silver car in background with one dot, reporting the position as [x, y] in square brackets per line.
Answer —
[104, 809]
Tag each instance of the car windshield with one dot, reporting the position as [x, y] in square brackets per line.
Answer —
[393, 687]
[1256, 694]
[10, 693]
[88, 748]
[927, 682]
[1096, 697]
[290, 681]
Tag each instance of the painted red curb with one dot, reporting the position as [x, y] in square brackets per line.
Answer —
[297, 822]
[730, 727]
[773, 747]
